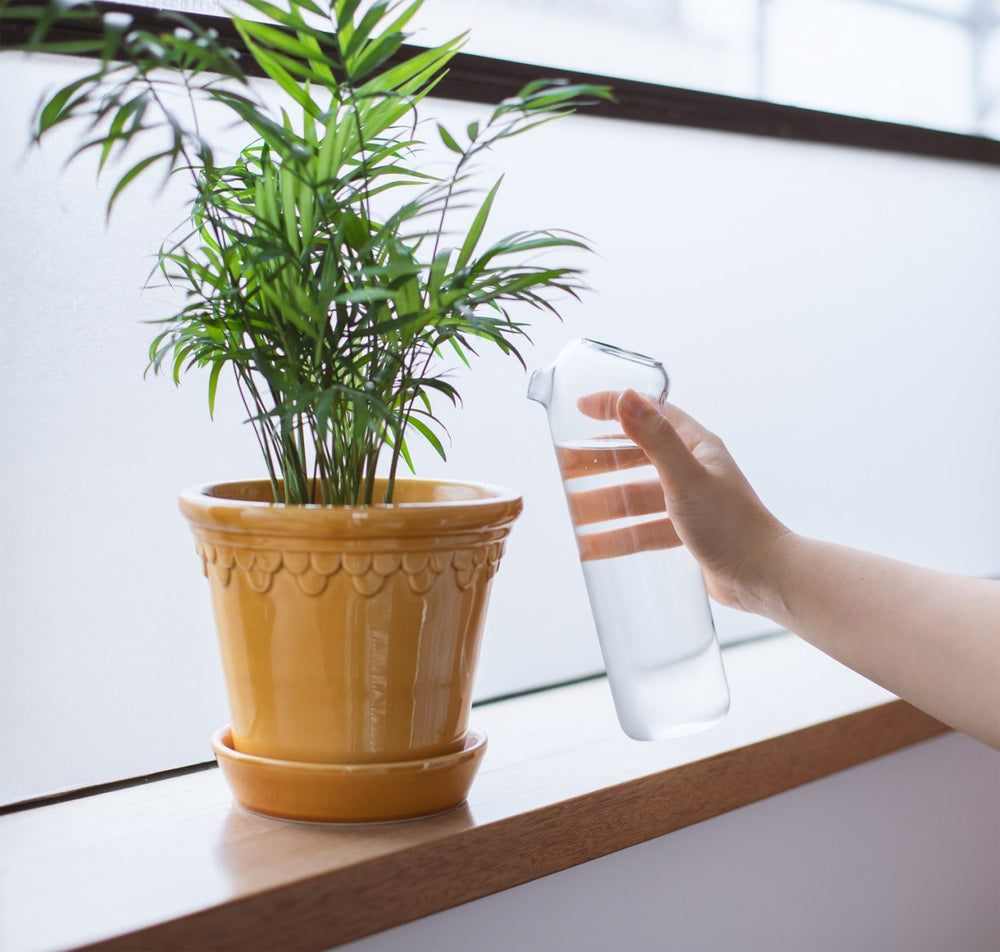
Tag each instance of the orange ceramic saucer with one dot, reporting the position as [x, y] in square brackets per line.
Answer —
[349, 793]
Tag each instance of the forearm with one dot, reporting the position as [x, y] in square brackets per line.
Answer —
[927, 636]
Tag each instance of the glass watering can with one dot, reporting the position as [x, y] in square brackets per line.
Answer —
[646, 591]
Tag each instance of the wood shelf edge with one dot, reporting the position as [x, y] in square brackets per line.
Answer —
[354, 901]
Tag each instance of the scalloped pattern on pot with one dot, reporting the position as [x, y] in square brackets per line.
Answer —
[312, 571]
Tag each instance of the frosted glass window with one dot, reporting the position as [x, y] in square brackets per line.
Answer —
[932, 62]
[873, 60]
[831, 312]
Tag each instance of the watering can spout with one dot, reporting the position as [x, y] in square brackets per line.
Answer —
[540, 385]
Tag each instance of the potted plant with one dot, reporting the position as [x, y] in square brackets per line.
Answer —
[321, 266]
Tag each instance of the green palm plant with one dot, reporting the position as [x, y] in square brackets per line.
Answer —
[319, 265]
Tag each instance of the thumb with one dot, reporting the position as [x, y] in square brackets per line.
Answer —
[643, 423]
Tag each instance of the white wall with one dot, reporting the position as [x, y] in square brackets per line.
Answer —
[902, 853]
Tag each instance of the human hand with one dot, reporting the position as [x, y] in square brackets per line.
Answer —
[712, 508]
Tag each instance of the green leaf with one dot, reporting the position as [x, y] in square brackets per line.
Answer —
[133, 173]
[476, 228]
[61, 104]
[375, 55]
[278, 68]
[448, 139]
[362, 32]
[429, 435]
[213, 385]
[344, 9]
[401, 22]
[414, 75]
[273, 37]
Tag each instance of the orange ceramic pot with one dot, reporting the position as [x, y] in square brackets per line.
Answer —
[350, 635]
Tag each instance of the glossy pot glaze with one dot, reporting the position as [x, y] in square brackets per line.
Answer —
[350, 635]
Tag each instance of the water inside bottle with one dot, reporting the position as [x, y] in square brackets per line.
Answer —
[646, 593]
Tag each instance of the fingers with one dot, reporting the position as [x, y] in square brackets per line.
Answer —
[669, 452]
[644, 537]
[616, 502]
[594, 458]
[604, 404]
[600, 406]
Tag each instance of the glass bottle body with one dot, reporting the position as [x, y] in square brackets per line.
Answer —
[646, 591]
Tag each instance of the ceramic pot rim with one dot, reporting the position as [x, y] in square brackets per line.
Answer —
[435, 505]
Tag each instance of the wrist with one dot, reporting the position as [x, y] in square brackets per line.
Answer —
[763, 586]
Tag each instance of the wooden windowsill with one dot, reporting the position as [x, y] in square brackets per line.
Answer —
[175, 865]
